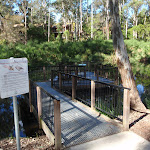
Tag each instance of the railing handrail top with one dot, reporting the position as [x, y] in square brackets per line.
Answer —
[45, 91]
[117, 86]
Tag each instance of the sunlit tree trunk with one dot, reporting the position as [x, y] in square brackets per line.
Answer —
[25, 7]
[107, 20]
[49, 25]
[31, 12]
[126, 29]
[87, 11]
[81, 18]
[91, 19]
[123, 59]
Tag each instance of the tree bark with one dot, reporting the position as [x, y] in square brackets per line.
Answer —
[107, 20]
[123, 59]
[31, 12]
[91, 19]
[87, 11]
[126, 28]
[49, 22]
[81, 18]
[25, 8]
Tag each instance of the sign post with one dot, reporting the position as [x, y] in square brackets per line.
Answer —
[14, 81]
[16, 122]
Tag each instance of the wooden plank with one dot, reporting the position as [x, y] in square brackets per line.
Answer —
[57, 124]
[39, 104]
[74, 87]
[48, 132]
[126, 109]
[92, 94]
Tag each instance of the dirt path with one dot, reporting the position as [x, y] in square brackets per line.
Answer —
[140, 124]
[38, 143]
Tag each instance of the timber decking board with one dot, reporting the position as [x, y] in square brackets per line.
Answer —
[78, 123]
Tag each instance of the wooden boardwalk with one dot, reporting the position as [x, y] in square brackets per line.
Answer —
[79, 124]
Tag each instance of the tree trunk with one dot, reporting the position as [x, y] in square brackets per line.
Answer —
[87, 11]
[81, 18]
[107, 19]
[135, 24]
[76, 27]
[91, 19]
[123, 59]
[126, 29]
[49, 27]
[25, 28]
[31, 13]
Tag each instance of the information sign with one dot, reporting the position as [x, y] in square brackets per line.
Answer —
[14, 78]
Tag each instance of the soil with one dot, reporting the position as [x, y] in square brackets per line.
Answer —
[139, 124]
[37, 143]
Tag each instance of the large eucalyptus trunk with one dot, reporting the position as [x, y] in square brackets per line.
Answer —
[123, 59]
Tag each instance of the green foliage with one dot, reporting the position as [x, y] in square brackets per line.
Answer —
[138, 51]
[143, 31]
[55, 52]
[37, 33]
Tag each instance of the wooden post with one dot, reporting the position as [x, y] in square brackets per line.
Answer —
[57, 124]
[76, 71]
[44, 73]
[39, 105]
[97, 74]
[65, 72]
[30, 96]
[74, 84]
[95, 70]
[106, 74]
[60, 81]
[126, 109]
[52, 76]
[85, 72]
[92, 94]
[116, 77]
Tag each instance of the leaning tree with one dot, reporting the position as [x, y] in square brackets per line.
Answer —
[123, 62]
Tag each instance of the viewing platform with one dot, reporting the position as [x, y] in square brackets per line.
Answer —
[69, 103]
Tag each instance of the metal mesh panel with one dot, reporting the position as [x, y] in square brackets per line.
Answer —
[48, 109]
[33, 95]
[109, 99]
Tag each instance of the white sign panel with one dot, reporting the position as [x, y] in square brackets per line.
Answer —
[14, 78]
